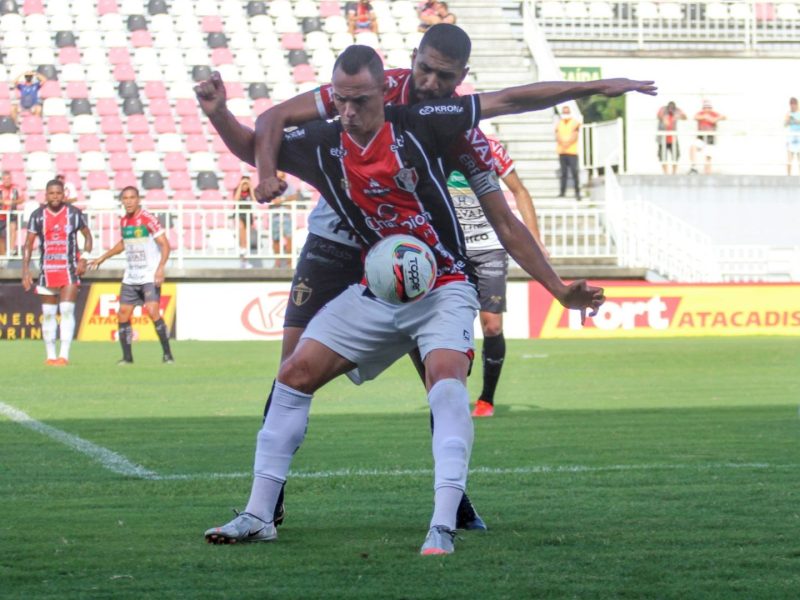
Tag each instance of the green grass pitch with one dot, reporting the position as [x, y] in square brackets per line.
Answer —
[612, 469]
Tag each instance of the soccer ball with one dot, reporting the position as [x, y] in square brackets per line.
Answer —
[400, 269]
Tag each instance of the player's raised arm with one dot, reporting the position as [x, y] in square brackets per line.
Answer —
[544, 94]
[269, 136]
[212, 99]
[521, 245]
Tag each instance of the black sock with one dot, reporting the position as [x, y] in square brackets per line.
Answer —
[163, 336]
[125, 334]
[494, 353]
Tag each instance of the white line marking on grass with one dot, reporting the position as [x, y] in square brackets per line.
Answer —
[116, 463]
[533, 470]
[110, 460]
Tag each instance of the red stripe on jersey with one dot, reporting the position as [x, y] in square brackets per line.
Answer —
[58, 258]
[503, 165]
[384, 191]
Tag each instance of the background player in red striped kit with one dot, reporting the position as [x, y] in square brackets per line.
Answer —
[146, 251]
[56, 225]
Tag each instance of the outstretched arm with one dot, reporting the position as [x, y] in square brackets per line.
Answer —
[536, 96]
[525, 207]
[522, 247]
[93, 265]
[239, 138]
[269, 136]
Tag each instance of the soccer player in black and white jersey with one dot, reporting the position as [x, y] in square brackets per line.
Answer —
[398, 150]
[331, 258]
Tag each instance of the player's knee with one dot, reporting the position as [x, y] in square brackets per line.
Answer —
[297, 373]
[492, 329]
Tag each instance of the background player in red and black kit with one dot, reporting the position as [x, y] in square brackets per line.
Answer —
[56, 225]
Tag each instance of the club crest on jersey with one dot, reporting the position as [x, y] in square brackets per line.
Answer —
[407, 179]
[301, 293]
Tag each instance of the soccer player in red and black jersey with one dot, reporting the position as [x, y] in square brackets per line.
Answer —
[56, 225]
[381, 171]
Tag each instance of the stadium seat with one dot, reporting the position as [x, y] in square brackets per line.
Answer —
[132, 106]
[341, 40]
[5, 107]
[100, 199]
[137, 124]
[258, 90]
[137, 23]
[77, 89]
[221, 56]
[157, 7]
[123, 179]
[66, 162]
[212, 24]
[128, 89]
[164, 124]
[304, 74]
[228, 163]
[98, 180]
[48, 71]
[60, 124]
[102, 89]
[29, 124]
[196, 143]
[120, 161]
[179, 180]
[124, 72]
[190, 124]
[35, 143]
[155, 90]
[54, 107]
[93, 161]
[311, 24]
[116, 143]
[152, 180]
[256, 7]
[175, 161]
[207, 180]
[142, 142]
[201, 72]
[297, 57]
[80, 106]
[202, 161]
[110, 125]
[141, 38]
[62, 143]
[119, 56]
[64, 39]
[107, 106]
[106, 6]
[147, 161]
[88, 143]
[217, 145]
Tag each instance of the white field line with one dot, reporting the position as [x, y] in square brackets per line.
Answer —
[117, 463]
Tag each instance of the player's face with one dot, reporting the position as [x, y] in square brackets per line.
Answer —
[54, 196]
[130, 200]
[359, 101]
[434, 75]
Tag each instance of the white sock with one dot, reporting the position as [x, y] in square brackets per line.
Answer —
[49, 327]
[452, 445]
[279, 438]
[67, 327]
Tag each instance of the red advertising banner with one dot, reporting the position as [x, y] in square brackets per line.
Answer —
[641, 309]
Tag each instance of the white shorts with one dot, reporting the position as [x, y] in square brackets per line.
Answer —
[46, 291]
[373, 334]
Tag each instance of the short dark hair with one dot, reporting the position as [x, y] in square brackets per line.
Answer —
[357, 57]
[129, 187]
[450, 40]
[55, 182]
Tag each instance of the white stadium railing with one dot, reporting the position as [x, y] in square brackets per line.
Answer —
[744, 23]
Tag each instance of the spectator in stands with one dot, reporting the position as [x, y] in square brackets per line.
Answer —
[70, 193]
[707, 120]
[668, 150]
[361, 17]
[243, 199]
[792, 123]
[567, 131]
[28, 85]
[444, 14]
[428, 15]
[282, 224]
[11, 198]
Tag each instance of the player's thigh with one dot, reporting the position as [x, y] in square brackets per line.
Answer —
[442, 320]
[68, 293]
[325, 269]
[312, 365]
[446, 364]
[363, 330]
[291, 337]
[124, 313]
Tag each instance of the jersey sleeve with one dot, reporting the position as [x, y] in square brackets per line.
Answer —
[35, 222]
[471, 155]
[152, 224]
[442, 120]
[323, 96]
[503, 165]
[300, 151]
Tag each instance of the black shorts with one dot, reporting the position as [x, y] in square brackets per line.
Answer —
[491, 267]
[138, 295]
[667, 150]
[324, 271]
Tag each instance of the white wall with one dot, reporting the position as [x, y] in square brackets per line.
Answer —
[752, 92]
